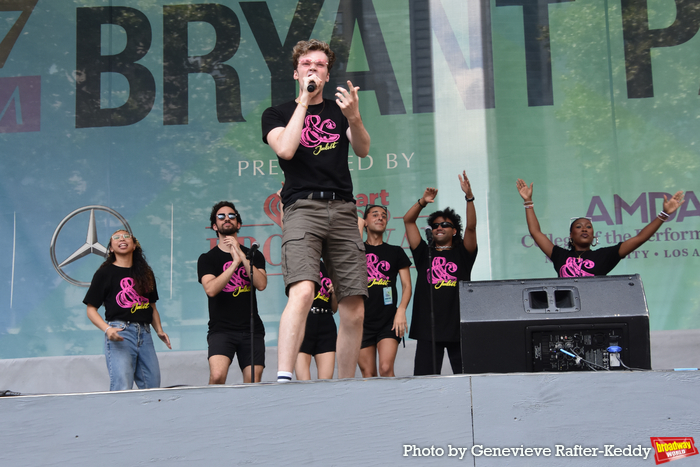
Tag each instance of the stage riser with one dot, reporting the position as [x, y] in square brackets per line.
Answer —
[354, 422]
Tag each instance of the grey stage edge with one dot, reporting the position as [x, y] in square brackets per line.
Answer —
[359, 422]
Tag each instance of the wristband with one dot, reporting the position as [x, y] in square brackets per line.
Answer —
[529, 206]
[421, 204]
[108, 327]
[469, 200]
[662, 216]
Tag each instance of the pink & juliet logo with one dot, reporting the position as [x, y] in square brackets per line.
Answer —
[315, 132]
[441, 273]
[239, 281]
[374, 275]
[574, 267]
[129, 297]
[325, 293]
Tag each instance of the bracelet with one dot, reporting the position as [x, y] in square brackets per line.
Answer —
[662, 216]
[421, 204]
[469, 200]
[526, 203]
[108, 327]
[301, 103]
[529, 206]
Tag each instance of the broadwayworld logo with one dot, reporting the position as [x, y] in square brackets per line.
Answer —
[669, 449]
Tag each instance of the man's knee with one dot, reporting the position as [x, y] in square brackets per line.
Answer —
[302, 293]
[352, 310]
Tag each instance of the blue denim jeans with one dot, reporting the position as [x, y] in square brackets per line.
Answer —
[133, 359]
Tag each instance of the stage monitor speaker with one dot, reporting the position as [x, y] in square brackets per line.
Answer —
[564, 324]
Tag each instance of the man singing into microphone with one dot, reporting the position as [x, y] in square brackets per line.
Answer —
[311, 137]
[224, 272]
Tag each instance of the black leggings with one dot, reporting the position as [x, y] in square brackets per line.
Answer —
[423, 363]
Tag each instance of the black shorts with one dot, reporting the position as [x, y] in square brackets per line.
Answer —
[321, 334]
[230, 343]
[372, 337]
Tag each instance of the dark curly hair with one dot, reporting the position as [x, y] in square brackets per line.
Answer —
[304, 47]
[219, 205]
[141, 272]
[452, 216]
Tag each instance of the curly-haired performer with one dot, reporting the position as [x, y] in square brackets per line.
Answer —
[453, 259]
[125, 284]
[580, 260]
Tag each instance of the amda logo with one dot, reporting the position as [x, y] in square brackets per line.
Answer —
[669, 449]
[20, 104]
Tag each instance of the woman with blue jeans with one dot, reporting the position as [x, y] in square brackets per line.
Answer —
[125, 284]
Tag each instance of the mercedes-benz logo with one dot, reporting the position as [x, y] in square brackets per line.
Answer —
[91, 244]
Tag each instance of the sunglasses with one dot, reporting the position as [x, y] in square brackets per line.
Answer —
[444, 225]
[119, 236]
[231, 215]
[573, 219]
[307, 63]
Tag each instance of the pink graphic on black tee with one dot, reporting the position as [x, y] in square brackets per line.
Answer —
[128, 297]
[325, 288]
[574, 268]
[239, 280]
[374, 270]
[441, 273]
[315, 132]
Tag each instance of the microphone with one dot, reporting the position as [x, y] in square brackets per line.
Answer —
[429, 235]
[311, 87]
[253, 248]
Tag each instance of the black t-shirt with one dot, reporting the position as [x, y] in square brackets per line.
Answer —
[569, 263]
[383, 264]
[229, 310]
[114, 287]
[321, 160]
[449, 267]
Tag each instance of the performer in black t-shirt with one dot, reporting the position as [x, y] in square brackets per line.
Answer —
[125, 284]
[453, 259]
[385, 322]
[320, 335]
[311, 137]
[224, 272]
[579, 260]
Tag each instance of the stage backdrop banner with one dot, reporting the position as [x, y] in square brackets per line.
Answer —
[143, 114]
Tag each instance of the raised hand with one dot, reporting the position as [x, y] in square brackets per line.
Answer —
[429, 195]
[524, 190]
[348, 100]
[670, 205]
[464, 183]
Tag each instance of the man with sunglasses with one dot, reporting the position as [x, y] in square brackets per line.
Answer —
[452, 261]
[311, 137]
[224, 272]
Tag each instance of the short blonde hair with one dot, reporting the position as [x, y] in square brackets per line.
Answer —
[304, 47]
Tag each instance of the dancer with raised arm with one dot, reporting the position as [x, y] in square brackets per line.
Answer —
[453, 257]
[579, 260]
